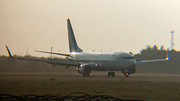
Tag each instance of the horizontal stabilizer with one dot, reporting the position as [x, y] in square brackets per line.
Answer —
[53, 53]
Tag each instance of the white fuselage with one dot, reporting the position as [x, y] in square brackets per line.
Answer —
[106, 60]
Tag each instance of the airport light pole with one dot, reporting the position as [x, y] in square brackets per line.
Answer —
[172, 40]
[51, 51]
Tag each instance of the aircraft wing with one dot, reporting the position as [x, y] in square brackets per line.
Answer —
[147, 61]
[154, 60]
[53, 53]
[50, 61]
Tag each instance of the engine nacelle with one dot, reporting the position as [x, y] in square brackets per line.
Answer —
[84, 69]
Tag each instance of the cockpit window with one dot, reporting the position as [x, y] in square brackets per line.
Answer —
[128, 58]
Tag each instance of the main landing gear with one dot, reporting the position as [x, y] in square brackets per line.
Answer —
[111, 74]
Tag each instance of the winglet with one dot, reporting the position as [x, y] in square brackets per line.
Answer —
[8, 51]
[167, 55]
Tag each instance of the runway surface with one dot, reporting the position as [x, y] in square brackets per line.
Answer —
[98, 76]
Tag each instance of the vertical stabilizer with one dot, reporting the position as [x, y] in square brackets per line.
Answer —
[73, 47]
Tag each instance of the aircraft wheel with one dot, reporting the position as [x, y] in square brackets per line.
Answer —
[109, 74]
[126, 74]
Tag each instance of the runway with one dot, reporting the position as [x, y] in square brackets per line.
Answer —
[95, 76]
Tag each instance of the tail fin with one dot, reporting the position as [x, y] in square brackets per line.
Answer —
[73, 47]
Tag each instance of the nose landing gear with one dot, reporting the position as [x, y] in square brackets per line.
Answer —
[126, 74]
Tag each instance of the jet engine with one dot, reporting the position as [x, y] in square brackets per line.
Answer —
[84, 69]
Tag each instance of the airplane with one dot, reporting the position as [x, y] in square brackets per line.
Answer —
[86, 62]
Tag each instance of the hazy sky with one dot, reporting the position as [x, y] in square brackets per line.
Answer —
[110, 25]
